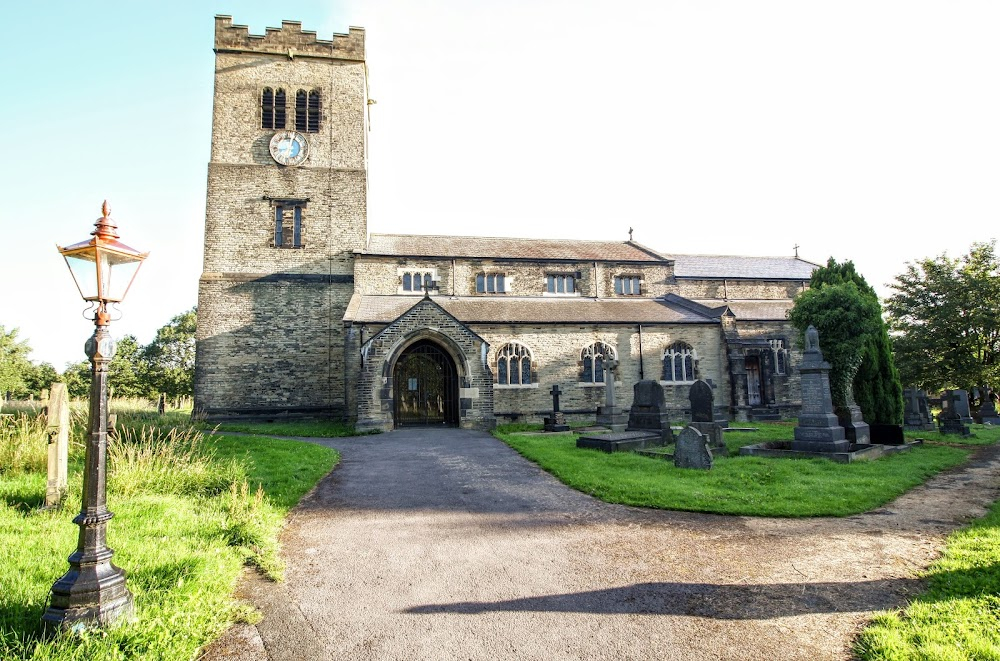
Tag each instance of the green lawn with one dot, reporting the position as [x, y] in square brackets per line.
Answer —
[304, 428]
[958, 617]
[189, 514]
[753, 486]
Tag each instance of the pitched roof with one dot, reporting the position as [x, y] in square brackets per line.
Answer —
[418, 245]
[534, 310]
[734, 266]
[753, 310]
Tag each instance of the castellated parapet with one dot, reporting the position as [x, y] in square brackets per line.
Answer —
[290, 40]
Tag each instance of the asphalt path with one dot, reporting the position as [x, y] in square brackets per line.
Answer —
[446, 544]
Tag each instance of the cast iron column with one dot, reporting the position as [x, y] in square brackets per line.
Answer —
[93, 591]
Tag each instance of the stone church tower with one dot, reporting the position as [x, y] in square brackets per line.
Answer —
[285, 211]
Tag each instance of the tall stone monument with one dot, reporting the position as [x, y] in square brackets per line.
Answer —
[916, 412]
[950, 420]
[957, 401]
[610, 415]
[818, 429]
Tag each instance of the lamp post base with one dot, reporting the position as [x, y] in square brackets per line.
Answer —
[88, 595]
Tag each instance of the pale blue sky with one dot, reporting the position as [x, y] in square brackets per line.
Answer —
[863, 130]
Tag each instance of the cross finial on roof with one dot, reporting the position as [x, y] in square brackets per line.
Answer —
[796, 250]
[428, 286]
[630, 234]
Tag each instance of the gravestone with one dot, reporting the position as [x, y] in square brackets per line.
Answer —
[950, 420]
[958, 400]
[691, 450]
[987, 414]
[702, 416]
[887, 434]
[610, 415]
[916, 411]
[57, 432]
[161, 404]
[818, 429]
[556, 423]
[648, 412]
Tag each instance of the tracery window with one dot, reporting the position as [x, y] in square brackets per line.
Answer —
[627, 285]
[780, 356]
[491, 283]
[514, 365]
[679, 362]
[272, 108]
[307, 111]
[593, 362]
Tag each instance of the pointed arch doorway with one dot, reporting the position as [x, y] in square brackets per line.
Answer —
[425, 387]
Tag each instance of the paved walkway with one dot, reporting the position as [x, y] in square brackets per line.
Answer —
[446, 544]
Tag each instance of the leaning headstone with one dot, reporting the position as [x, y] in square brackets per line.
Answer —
[556, 423]
[950, 420]
[703, 413]
[57, 432]
[648, 412]
[818, 429]
[958, 400]
[691, 450]
[916, 411]
[610, 415]
[987, 414]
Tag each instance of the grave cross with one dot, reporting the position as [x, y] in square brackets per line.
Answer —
[428, 286]
[610, 365]
[555, 392]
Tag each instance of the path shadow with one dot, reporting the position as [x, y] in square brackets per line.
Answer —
[722, 602]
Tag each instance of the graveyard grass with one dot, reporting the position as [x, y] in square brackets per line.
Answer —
[749, 486]
[191, 511]
[301, 428]
[958, 616]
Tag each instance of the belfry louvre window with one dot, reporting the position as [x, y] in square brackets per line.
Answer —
[513, 365]
[491, 283]
[272, 108]
[593, 362]
[679, 362]
[287, 224]
[560, 283]
[627, 285]
[307, 111]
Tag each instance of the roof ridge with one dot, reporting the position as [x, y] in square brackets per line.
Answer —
[510, 238]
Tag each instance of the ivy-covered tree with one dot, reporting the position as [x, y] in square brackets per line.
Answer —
[845, 317]
[944, 314]
[877, 387]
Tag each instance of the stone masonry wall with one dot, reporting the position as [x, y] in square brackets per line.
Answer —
[740, 289]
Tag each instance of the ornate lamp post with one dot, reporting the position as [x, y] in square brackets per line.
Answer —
[93, 591]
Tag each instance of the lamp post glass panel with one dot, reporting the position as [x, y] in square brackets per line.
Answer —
[93, 591]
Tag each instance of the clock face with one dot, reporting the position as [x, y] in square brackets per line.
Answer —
[288, 147]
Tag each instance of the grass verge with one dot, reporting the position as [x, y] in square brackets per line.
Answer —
[304, 428]
[752, 486]
[189, 514]
[958, 617]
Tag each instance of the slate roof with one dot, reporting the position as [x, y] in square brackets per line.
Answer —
[736, 267]
[419, 245]
[753, 310]
[535, 310]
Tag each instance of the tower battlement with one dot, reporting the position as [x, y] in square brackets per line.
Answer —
[290, 40]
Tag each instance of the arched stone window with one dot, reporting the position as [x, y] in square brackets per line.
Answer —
[513, 365]
[679, 361]
[272, 108]
[780, 356]
[307, 110]
[593, 358]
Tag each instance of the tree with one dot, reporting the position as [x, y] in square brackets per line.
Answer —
[877, 387]
[944, 316]
[128, 373]
[77, 378]
[39, 377]
[14, 363]
[845, 317]
[170, 356]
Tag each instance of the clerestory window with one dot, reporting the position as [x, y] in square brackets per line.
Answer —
[679, 361]
[593, 358]
[513, 365]
[560, 283]
[627, 285]
[272, 108]
[416, 281]
[491, 283]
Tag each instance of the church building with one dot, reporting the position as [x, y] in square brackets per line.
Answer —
[302, 312]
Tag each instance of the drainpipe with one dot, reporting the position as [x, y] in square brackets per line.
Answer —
[641, 373]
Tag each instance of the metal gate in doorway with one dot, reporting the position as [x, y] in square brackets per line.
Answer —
[425, 387]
